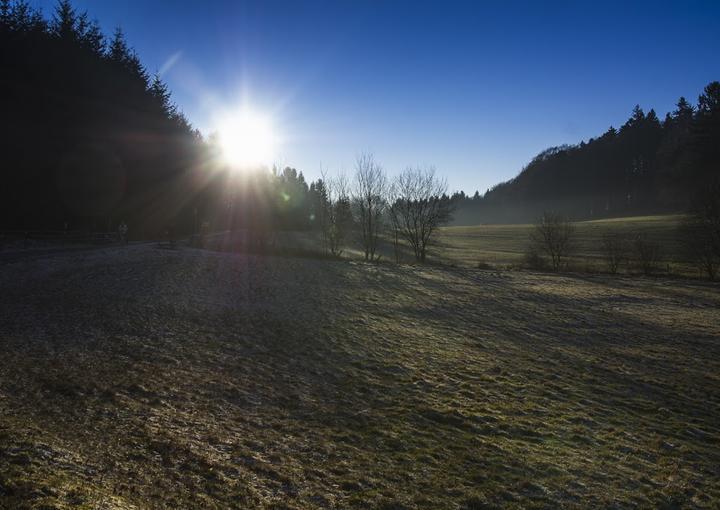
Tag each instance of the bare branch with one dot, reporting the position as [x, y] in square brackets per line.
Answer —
[419, 206]
[369, 201]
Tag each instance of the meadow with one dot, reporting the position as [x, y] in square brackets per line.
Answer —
[142, 377]
[505, 245]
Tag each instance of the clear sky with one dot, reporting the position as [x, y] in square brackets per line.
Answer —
[474, 88]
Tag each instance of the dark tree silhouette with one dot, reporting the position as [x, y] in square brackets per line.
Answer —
[553, 235]
[86, 138]
[648, 254]
[645, 167]
[700, 232]
[419, 205]
[337, 214]
[369, 199]
[615, 248]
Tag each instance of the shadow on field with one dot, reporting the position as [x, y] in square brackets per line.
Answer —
[190, 378]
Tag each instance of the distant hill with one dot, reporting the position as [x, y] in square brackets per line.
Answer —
[647, 166]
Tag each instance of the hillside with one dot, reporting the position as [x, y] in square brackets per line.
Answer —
[220, 380]
[647, 166]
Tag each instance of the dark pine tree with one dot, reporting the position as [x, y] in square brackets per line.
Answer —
[86, 138]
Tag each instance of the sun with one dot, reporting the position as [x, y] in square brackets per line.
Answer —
[247, 140]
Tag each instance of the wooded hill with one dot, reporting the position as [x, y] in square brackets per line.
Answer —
[647, 166]
[89, 139]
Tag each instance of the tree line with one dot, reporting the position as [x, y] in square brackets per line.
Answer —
[89, 137]
[367, 210]
[646, 166]
[407, 209]
[91, 140]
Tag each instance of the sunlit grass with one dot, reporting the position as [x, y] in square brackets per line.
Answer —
[224, 380]
[505, 245]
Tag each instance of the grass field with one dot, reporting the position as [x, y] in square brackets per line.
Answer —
[152, 378]
[504, 245]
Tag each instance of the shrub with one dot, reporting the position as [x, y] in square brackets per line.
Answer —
[615, 248]
[648, 254]
[700, 233]
[533, 259]
[484, 265]
[698, 247]
[553, 235]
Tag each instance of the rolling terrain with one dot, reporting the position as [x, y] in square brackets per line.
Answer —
[505, 245]
[156, 378]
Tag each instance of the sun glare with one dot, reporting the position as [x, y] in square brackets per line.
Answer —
[247, 140]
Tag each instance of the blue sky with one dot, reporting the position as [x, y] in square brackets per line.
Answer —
[474, 88]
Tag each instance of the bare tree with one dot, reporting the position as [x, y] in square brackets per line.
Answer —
[554, 236]
[369, 200]
[395, 224]
[615, 248]
[698, 246]
[338, 214]
[532, 257]
[648, 253]
[419, 206]
[700, 233]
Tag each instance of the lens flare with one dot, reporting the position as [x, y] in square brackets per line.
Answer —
[247, 140]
